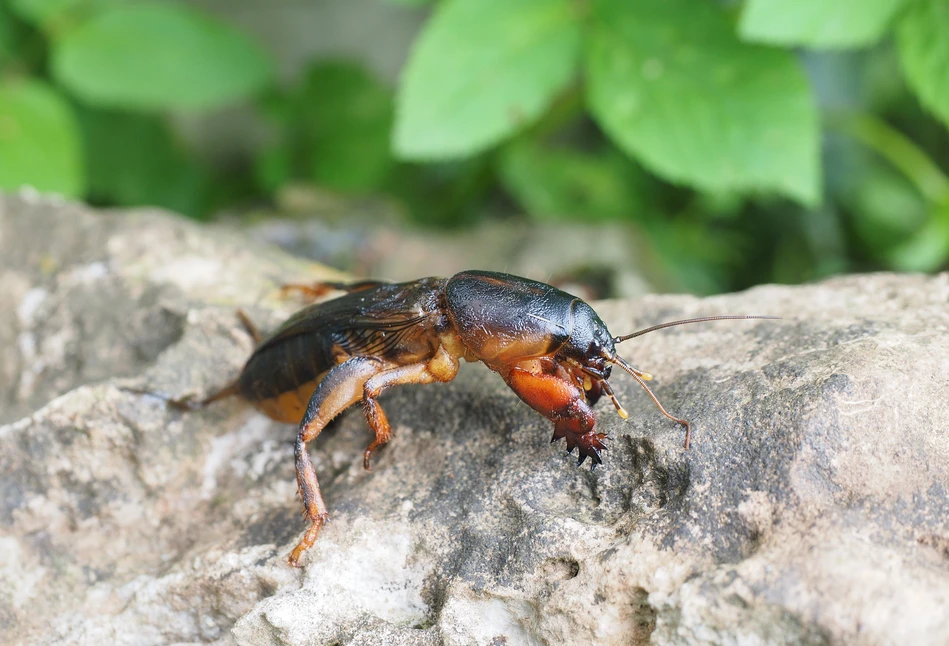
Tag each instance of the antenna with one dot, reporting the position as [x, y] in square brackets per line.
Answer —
[642, 377]
[620, 339]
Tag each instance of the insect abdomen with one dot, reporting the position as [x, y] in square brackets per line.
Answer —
[280, 378]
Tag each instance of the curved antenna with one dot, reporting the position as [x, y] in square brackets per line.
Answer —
[620, 339]
[638, 376]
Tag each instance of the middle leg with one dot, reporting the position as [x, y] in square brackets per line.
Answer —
[442, 367]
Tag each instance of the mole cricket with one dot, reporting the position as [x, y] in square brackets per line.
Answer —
[550, 347]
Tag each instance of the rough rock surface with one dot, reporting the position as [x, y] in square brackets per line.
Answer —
[812, 507]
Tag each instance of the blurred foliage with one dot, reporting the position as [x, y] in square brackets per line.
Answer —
[753, 141]
[334, 131]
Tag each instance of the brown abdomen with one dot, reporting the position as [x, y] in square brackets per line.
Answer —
[290, 406]
[280, 378]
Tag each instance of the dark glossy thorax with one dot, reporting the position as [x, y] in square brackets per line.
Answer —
[505, 318]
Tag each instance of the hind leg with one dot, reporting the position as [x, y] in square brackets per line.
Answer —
[250, 326]
[340, 388]
[313, 291]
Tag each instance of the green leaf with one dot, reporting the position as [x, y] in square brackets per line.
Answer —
[39, 144]
[691, 253]
[158, 56]
[923, 39]
[42, 12]
[347, 120]
[927, 249]
[886, 205]
[671, 84]
[898, 149]
[11, 33]
[817, 23]
[562, 183]
[133, 160]
[480, 71]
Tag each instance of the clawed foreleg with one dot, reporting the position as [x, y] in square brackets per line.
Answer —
[588, 444]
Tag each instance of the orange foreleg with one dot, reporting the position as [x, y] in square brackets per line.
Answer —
[554, 393]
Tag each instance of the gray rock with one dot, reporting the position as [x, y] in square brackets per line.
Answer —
[812, 507]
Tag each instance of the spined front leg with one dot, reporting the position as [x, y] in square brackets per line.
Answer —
[556, 396]
[340, 388]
